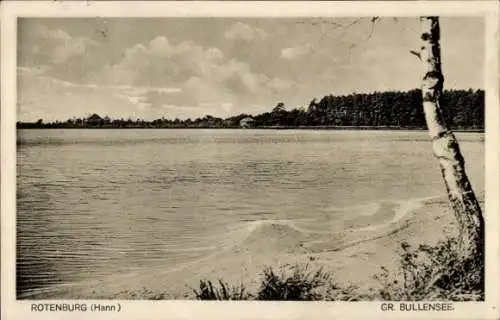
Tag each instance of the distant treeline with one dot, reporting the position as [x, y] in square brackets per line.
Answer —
[463, 109]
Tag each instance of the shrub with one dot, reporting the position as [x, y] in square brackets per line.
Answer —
[208, 291]
[434, 272]
[335, 292]
[296, 283]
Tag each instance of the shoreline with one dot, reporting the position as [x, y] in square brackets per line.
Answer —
[332, 128]
[352, 256]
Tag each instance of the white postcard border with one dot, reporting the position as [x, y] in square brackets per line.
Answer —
[12, 309]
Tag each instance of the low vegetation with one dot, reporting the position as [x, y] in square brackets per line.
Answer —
[143, 294]
[296, 283]
[288, 283]
[426, 273]
[434, 273]
[209, 291]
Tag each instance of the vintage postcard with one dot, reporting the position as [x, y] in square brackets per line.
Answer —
[250, 160]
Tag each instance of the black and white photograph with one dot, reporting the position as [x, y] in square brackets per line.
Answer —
[334, 158]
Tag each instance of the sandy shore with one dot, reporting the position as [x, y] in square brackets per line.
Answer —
[352, 256]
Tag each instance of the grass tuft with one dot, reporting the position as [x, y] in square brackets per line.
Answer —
[209, 291]
[296, 283]
[432, 273]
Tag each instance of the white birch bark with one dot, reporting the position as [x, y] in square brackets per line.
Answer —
[445, 146]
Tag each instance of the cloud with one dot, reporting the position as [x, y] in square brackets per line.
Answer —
[245, 32]
[51, 99]
[159, 63]
[53, 46]
[240, 68]
[34, 71]
[71, 48]
[201, 77]
[296, 52]
[43, 96]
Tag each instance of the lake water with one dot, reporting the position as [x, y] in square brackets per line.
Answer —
[93, 203]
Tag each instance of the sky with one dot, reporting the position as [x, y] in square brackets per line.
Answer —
[191, 67]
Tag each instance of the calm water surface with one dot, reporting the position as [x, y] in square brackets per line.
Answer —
[92, 203]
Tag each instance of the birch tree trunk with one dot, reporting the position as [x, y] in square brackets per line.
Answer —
[445, 146]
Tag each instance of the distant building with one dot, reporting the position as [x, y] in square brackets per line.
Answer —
[94, 120]
[246, 122]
